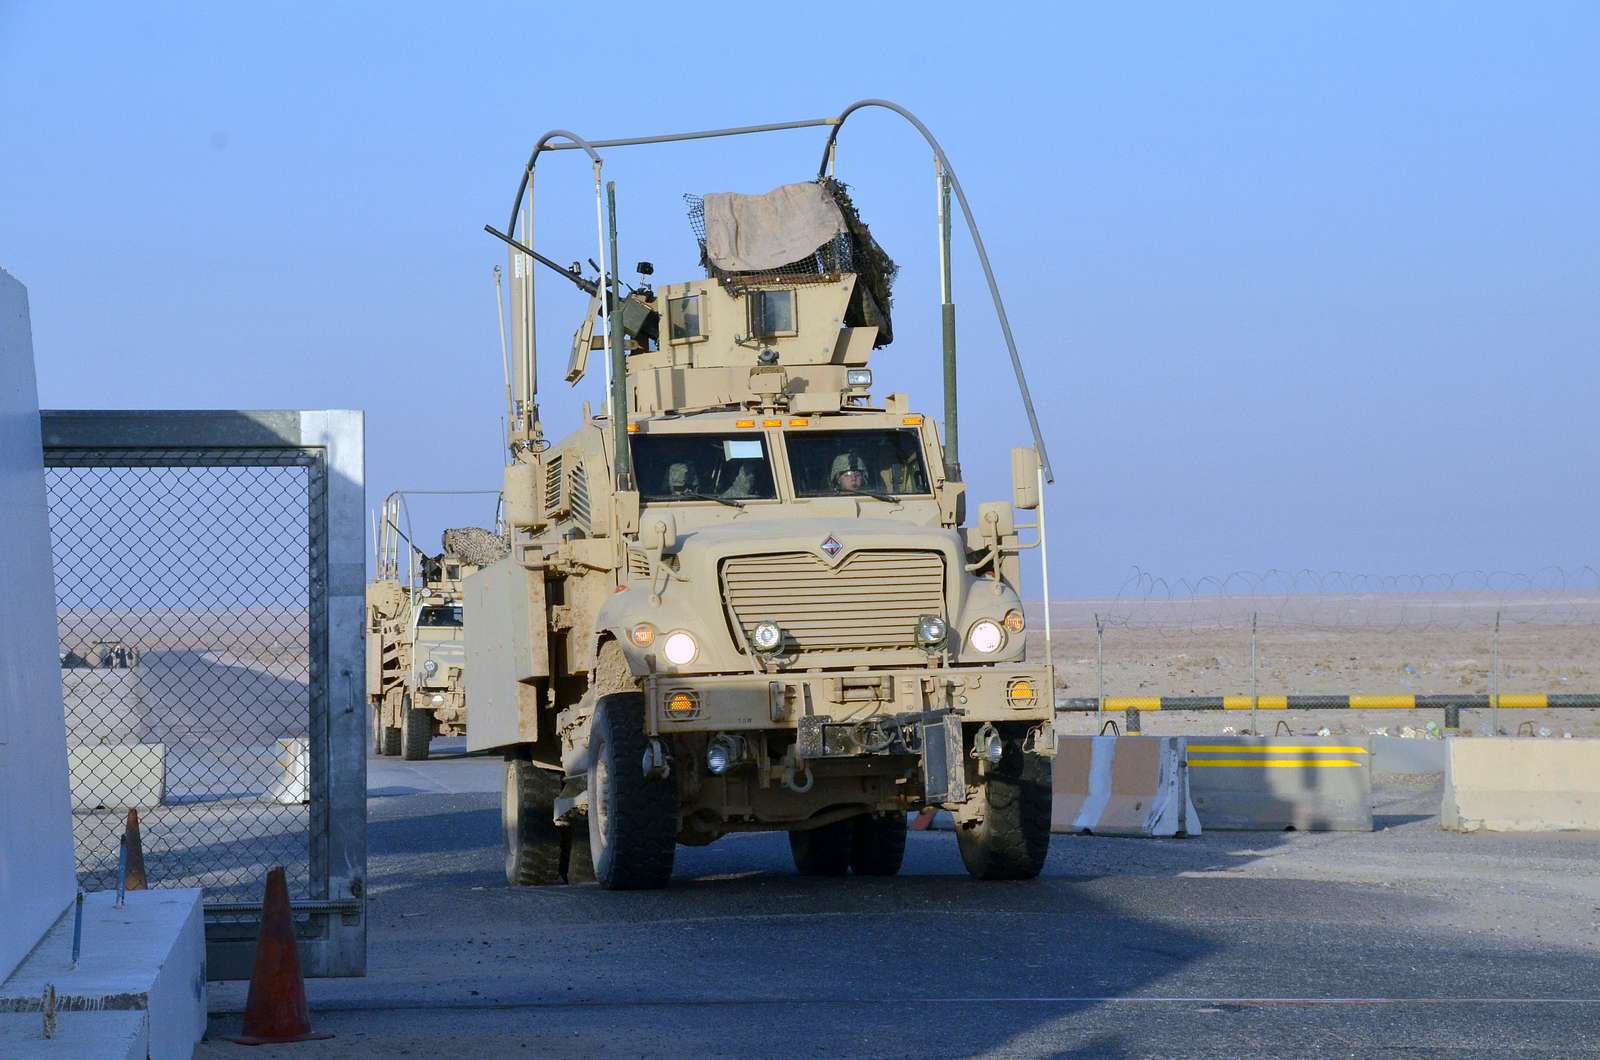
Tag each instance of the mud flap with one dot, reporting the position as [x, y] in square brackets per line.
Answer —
[944, 767]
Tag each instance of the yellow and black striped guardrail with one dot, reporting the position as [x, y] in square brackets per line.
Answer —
[1505, 701]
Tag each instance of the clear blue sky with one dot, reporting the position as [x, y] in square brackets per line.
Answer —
[1306, 285]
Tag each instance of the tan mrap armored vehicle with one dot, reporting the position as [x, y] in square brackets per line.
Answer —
[748, 602]
[416, 644]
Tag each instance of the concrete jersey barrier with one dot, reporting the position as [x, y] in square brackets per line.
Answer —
[1503, 784]
[1122, 785]
[1257, 783]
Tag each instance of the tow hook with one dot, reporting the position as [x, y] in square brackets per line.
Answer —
[988, 748]
[656, 764]
[1040, 740]
[794, 769]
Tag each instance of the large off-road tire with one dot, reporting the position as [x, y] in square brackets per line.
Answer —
[878, 844]
[633, 819]
[823, 851]
[1013, 838]
[416, 731]
[388, 737]
[527, 817]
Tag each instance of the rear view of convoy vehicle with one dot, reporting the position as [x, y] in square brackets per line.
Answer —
[416, 644]
[745, 596]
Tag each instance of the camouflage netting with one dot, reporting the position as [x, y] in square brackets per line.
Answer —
[853, 250]
[476, 546]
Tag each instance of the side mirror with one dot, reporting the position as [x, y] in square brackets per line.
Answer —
[661, 531]
[1025, 479]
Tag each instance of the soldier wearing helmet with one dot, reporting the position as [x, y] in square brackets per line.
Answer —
[849, 473]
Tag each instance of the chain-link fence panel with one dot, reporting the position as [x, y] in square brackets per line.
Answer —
[186, 605]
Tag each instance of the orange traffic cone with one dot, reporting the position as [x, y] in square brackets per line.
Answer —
[134, 877]
[276, 1009]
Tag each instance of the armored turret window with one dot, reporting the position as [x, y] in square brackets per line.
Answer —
[683, 319]
[771, 313]
[440, 616]
[729, 468]
[841, 463]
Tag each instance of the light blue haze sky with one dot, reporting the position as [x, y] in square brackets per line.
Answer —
[1305, 285]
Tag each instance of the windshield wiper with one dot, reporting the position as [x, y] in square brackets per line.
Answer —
[710, 497]
[874, 494]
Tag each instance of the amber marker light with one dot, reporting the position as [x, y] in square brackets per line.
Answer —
[772, 423]
[633, 428]
[682, 704]
[1020, 692]
[644, 634]
[744, 423]
[798, 423]
[912, 421]
[1012, 621]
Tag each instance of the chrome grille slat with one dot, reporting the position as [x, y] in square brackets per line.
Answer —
[871, 600]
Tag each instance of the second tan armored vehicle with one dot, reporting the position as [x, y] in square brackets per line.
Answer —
[416, 644]
[749, 601]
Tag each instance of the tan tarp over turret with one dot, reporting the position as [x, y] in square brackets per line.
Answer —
[755, 233]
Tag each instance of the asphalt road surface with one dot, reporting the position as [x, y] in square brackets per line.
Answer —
[1405, 941]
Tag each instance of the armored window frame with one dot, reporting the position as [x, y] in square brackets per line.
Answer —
[676, 318]
[758, 315]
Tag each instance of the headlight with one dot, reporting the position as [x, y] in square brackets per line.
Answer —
[680, 648]
[986, 637]
[766, 637]
[1013, 621]
[430, 667]
[438, 699]
[931, 631]
[858, 377]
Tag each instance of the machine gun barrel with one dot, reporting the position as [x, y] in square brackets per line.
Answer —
[588, 287]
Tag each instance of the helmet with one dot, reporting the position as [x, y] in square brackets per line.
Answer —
[681, 478]
[846, 462]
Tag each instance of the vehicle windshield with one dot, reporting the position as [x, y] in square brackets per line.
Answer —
[839, 463]
[689, 467]
[440, 616]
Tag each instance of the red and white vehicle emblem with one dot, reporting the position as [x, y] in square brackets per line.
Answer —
[831, 546]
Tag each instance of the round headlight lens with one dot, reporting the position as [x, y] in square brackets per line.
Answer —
[766, 637]
[438, 700]
[985, 636]
[931, 631]
[1013, 621]
[644, 634]
[430, 667]
[680, 648]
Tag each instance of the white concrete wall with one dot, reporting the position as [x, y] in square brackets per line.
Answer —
[36, 870]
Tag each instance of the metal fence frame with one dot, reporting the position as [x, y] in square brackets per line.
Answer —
[331, 924]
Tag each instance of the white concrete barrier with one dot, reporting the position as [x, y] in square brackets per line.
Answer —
[1268, 784]
[118, 776]
[147, 958]
[291, 777]
[1122, 785]
[1505, 784]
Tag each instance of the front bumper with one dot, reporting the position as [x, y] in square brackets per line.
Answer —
[778, 701]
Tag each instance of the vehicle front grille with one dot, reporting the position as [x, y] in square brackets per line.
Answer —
[871, 600]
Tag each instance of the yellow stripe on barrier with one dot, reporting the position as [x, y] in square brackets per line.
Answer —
[1262, 702]
[1524, 701]
[1228, 748]
[1272, 763]
[1383, 702]
[1132, 703]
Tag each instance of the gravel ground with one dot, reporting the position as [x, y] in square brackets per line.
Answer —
[1407, 940]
